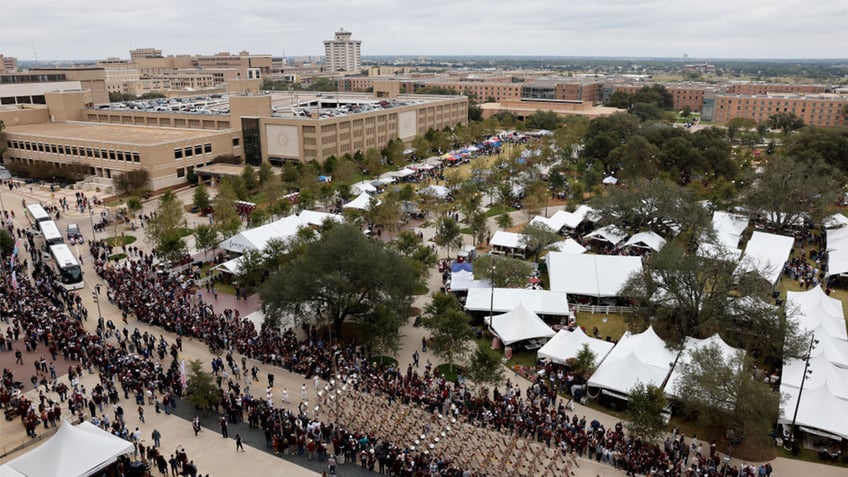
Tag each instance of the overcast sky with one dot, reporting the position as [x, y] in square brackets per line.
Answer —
[94, 29]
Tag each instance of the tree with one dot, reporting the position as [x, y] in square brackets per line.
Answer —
[131, 181]
[381, 331]
[735, 125]
[449, 327]
[479, 227]
[134, 205]
[724, 391]
[165, 229]
[201, 391]
[644, 412]
[583, 364]
[448, 234]
[342, 275]
[504, 220]
[538, 237]
[7, 243]
[506, 271]
[265, 173]
[411, 247]
[248, 176]
[605, 134]
[485, 368]
[542, 120]
[205, 237]
[636, 158]
[805, 188]
[225, 216]
[201, 198]
[785, 121]
[827, 144]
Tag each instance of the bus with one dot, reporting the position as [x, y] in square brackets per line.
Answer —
[67, 267]
[51, 233]
[37, 214]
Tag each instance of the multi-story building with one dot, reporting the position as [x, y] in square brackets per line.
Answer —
[563, 90]
[342, 53]
[92, 79]
[243, 62]
[823, 110]
[8, 64]
[119, 79]
[139, 53]
[753, 89]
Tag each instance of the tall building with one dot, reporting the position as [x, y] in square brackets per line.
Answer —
[342, 53]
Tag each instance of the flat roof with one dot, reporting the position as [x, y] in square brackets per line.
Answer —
[111, 133]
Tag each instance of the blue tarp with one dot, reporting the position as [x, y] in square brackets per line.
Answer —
[461, 267]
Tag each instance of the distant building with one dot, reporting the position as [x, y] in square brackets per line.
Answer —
[8, 64]
[342, 53]
[823, 110]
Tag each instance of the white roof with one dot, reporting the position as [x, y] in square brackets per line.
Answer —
[834, 349]
[72, 452]
[818, 409]
[360, 187]
[813, 308]
[835, 221]
[636, 358]
[437, 191]
[837, 262]
[230, 266]
[257, 237]
[646, 239]
[728, 230]
[610, 180]
[463, 280]
[837, 239]
[507, 239]
[766, 254]
[518, 325]
[691, 344]
[568, 245]
[823, 372]
[566, 344]
[593, 275]
[541, 302]
[610, 234]
[361, 202]
[316, 218]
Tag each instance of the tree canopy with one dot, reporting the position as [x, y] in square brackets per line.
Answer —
[165, 229]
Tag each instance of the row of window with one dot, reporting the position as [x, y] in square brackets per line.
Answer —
[77, 151]
[189, 151]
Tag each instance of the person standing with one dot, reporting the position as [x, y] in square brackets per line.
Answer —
[157, 436]
[195, 424]
[304, 393]
[239, 444]
[223, 422]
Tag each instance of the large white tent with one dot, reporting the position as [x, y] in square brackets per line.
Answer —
[610, 234]
[637, 358]
[565, 220]
[519, 324]
[507, 240]
[835, 221]
[819, 409]
[690, 345]
[317, 218]
[463, 280]
[837, 262]
[834, 349]
[361, 202]
[566, 344]
[437, 191]
[592, 275]
[766, 254]
[728, 229]
[362, 187]
[541, 302]
[72, 452]
[649, 240]
[813, 308]
[568, 245]
[257, 238]
[823, 371]
[837, 239]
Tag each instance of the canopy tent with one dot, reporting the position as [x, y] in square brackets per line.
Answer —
[837, 262]
[637, 358]
[258, 237]
[835, 221]
[728, 229]
[592, 275]
[317, 219]
[649, 240]
[6, 471]
[72, 452]
[837, 239]
[689, 346]
[520, 324]
[568, 246]
[766, 254]
[361, 202]
[541, 302]
[835, 350]
[823, 371]
[566, 344]
[610, 234]
[362, 187]
[813, 308]
[230, 266]
[437, 191]
[818, 409]
[464, 280]
[507, 240]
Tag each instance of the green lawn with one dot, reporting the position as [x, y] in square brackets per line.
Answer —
[498, 209]
[120, 240]
[612, 325]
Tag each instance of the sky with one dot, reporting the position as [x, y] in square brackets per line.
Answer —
[96, 29]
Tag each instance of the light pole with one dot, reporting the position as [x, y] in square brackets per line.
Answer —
[91, 220]
[96, 295]
[492, 296]
[807, 370]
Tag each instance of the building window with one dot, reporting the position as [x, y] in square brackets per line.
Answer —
[178, 153]
[111, 154]
[198, 150]
[207, 148]
[235, 142]
[181, 172]
[187, 152]
[136, 157]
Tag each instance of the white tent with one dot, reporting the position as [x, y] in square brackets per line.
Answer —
[818, 409]
[837, 239]
[256, 238]
[362, 187]
[316, 218]
[520, 324]
[568, 246]
[610, 234]
[361, 202]
[728, 229]
[837, 262]
[592, 275]
[72, 452]
[541, 302]
[566, 344]
[649, 240]
[640, 358]
[823, 371]
[813, 308]
[6, 471]
[689, 346]
[463, 280]
[766, 254]
[437, 191]
[835, 350]
[610, 180]
[507, 240]
[835, 221]
[230, 266]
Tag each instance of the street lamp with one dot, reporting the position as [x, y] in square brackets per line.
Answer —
[96, 295]
[91, 220]
[813, 343]
[492, 296]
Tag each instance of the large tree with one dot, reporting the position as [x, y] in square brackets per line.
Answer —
[448, 234]
[131, 181]
[537, 237]
[342, 275]
[449, 327]
[644, 412]
[506, 271]
[166, 228]
[200, 390]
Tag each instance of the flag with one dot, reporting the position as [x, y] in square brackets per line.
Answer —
[14, 280]
[182, 373]
[15, 249]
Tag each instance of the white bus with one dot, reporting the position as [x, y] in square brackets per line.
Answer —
[67, 267]
[51, 233]
[37, 213]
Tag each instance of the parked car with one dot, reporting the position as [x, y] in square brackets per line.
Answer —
[74, 234]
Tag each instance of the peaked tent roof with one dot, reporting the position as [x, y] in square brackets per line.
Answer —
[464, 280]
[258, 237]
[317, 218]
[834, 349]
[72, 452]
[815, 308]
[610, 234]
[823, 372]
[835, 221]
[592, 275]
[636, 358]
[566, 344]
[437, 191]
[507, 239]
[568, 245]
[520, 324]
[691, 344]
[361, 187]
[564, 219]
[819, 409]
[361, 202]
[542, 302]
[766, 254]
[646, 239]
